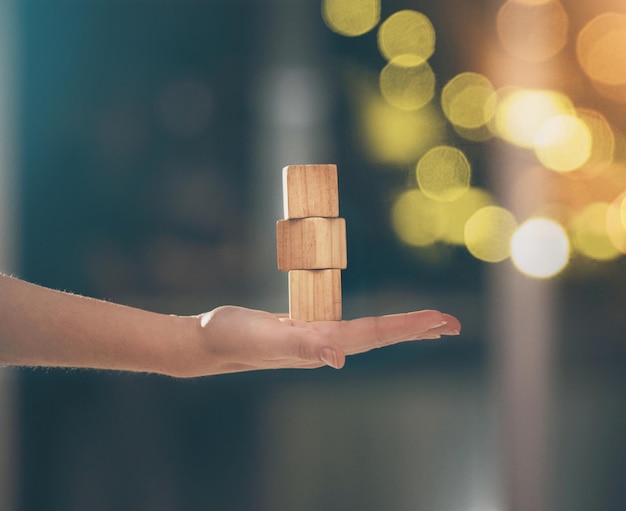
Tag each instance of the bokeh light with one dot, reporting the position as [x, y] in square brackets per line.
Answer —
[407, 33]
[399, 125]
[480, 134]
[590, 235]
[443, 173]
[616, 223]
[468, 100]
[351, 17]
[407, 87]
[601, 48]
[456, 213]
[532, 31]
[563, 143]
[421, 221]
[540, 248]
[416, 218]
[615, 93]
[398, 137]
[521, 112]
[556, 212]
[531, 2]
[577, 193]
[488, 233]
[602, 141]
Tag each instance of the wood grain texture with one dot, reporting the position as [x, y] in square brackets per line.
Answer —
[311, 244]
[315, 295]
[310, 190]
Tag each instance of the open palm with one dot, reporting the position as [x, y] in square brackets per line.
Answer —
[240, 339]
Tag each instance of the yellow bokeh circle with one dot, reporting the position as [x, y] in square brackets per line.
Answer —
[563, 143]
[602, 141]
[443, 173]
[468, 100]
[407, 32]
[488, 233]
[349, 17]
[521, 112]
[616, 222]
[398, 137]
[416, 219]
[590, 235]
[456, 213]
[407, 87]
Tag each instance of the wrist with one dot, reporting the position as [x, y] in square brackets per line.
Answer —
[181, 351]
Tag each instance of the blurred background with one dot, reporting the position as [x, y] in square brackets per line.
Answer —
[482, 171]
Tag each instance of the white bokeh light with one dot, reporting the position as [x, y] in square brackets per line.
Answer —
[540, 248]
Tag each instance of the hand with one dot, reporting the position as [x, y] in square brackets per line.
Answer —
[41, 327]
[234, 339]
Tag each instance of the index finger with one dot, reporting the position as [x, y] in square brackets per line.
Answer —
[363, 334]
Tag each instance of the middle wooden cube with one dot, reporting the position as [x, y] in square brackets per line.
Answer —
[313, 243]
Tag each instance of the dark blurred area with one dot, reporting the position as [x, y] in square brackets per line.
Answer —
[144, 179]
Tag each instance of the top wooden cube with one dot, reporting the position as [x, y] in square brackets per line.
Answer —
[310, 190]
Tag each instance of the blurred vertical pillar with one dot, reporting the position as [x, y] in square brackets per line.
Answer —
[522, 309]
[8, 224]
[292, 126]
[522, 329]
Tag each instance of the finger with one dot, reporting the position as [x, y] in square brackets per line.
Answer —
[283, 364]
[311, 346]
[363, 334]
[449, 325]
[452, 327]
[301, 365]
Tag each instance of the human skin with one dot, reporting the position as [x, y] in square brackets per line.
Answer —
[41, 327]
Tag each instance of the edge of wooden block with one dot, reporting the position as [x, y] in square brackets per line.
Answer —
[307, 256]
[318, 296]
[327, 212]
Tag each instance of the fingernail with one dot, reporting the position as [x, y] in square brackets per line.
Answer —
[329, 357]
[452, 331]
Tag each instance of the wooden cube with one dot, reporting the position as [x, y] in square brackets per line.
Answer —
[311, 243]
[315, 295]
[310, 190]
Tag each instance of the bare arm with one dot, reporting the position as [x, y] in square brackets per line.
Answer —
[43, 327]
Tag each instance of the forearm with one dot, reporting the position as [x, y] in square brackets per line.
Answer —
[42, 327]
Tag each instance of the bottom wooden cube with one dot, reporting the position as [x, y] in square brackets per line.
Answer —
[315, 295]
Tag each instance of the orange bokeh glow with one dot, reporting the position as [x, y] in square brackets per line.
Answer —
[601, 49]
[533, 31]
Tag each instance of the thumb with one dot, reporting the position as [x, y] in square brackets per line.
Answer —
[316, 347]
[332, 357]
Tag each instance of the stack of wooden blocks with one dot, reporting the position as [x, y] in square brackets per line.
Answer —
[311, 242]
